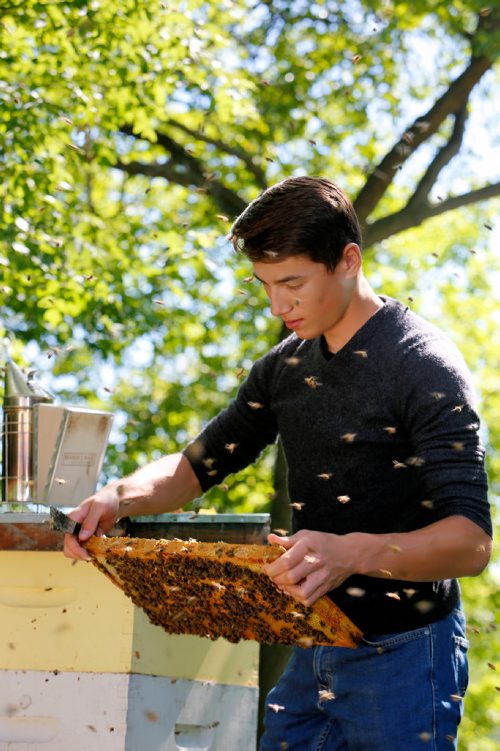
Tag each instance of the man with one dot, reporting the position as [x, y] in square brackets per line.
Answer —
[385, 476]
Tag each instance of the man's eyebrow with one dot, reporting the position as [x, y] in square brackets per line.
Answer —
[284, 279]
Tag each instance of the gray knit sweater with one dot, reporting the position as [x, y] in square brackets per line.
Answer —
[380, 437]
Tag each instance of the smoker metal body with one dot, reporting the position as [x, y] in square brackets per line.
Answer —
[20, 396]
[51, 453]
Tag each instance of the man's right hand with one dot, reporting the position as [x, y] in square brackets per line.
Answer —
[160, 486]
[97, 515]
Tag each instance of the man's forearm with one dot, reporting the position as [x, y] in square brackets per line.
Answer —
[161, 486]
[450, 548]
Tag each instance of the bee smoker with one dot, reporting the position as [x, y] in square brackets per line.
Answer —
[21, 393]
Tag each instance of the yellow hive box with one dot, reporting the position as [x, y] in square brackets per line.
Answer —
[66, 616]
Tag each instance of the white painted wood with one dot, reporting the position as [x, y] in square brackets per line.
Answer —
[52, 711]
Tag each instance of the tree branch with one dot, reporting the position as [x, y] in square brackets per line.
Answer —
[450, 102]
[227, 201]
[412, 217]
[441, 159]
[238, 153]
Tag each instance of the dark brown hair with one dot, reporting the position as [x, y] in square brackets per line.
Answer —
[308, 216]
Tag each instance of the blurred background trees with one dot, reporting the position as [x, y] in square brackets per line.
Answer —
[131, 136]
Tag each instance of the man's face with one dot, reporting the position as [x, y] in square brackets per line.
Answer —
[308, 298]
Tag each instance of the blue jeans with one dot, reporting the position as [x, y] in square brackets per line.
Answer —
[395, 692]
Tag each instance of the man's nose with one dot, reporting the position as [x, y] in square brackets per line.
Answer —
[280, 302]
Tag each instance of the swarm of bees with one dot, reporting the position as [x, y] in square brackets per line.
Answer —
[217, 590]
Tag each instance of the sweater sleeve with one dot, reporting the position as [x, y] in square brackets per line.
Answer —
[440, 418]
[236, 436]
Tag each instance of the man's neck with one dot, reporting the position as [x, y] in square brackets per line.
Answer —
[363, 306]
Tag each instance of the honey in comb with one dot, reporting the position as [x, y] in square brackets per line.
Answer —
[217, 590]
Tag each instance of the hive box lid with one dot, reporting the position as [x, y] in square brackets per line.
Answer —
[70, 444]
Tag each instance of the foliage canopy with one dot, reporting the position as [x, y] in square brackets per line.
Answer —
[132, 134]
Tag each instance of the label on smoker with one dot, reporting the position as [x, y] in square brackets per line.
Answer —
[77, 459]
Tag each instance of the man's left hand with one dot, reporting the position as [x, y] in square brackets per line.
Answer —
[314, 563]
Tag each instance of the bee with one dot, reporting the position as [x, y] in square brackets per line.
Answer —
[241, 292]
[398, 465]
[325, 695]
[240, 372]
[60, 481]
[385, 571]
[310, 559]
[255, 405]
[276, 707]
[409, 592]
[390, 430]
[356, 59]
[415, 461]
[361, 352]
[427, 504]
[281, 532]
[222, 217]
[324, 475]
[395, 548]
[425, 737]
[292, 360]
[248, 279]
[456, 697]
[209, 462]
[349, 437]
[458, 445]
[305, 641]
[458, 408]
[410, 298]
[151, 716]
[355, 591]
[312, 382]
[393, 595]
[297, 505]
[231, 447]
[491, 666]
[296, 615]
[343, 498]
[437, 395]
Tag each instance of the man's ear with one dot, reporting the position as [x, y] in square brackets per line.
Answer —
[351, 259]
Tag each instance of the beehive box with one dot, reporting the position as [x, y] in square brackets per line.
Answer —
[82, 668]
